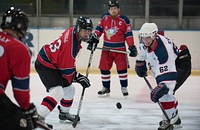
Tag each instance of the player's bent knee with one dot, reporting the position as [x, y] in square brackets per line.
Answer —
[56, 92]
[69, 92]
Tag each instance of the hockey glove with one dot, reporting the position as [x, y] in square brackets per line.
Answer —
[158, 92]
[83, 80]
[31, 116]
[133, 51]
[141, 68]
[92, 43]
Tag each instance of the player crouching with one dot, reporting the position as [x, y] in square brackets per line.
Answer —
[169, 66]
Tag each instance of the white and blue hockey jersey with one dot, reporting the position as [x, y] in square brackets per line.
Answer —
[161, 59]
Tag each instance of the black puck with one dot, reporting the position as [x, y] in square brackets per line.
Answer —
[119, 105]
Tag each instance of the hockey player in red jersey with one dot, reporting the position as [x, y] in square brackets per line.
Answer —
[117, 30]
[169, 66]
[15, 66]
[56, 67]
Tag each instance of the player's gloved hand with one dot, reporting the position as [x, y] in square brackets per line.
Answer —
[158, 92]
[31, 116]
[133, 51]
[92, 42]
[83, 80]
[141, 68]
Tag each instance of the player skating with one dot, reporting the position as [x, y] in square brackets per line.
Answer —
[117, 30]
[170, 67]
[55, 65]
[15, 66]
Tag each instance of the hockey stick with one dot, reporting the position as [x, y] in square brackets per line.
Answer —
[161, 107]
[83, 91]
[112, 50]
[40, 125]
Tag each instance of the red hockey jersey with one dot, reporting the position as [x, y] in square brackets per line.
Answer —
[15, 66]
[116, 31]
[61, 54]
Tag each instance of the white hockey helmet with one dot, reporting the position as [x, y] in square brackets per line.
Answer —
[148, 30]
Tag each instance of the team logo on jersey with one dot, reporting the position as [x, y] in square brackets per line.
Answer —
[111, 32]
[129, 28]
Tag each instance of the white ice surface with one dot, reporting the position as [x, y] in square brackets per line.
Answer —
[137, 113]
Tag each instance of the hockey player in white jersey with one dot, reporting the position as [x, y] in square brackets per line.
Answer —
[160, 54]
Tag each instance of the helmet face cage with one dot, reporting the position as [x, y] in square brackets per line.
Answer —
[112, 3]
[15, 20]
[84, 23]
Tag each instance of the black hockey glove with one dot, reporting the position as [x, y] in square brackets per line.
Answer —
[141, 68]
[133, 51]
[158, 92]
[83, 80]
[92, 43]
[31, 116]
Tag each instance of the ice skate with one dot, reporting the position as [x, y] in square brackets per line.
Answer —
[178, 122]
[124, 91]
[165, 125]
[175, 121]
[64, 116]
[104, 92]
[42, 122]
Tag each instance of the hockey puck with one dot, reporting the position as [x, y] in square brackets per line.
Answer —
[119, 105]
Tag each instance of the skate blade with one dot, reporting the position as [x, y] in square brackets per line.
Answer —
[104, 95]
[65, 122]
[177, 126]
[126, 97]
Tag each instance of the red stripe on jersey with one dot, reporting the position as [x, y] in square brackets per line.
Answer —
[47, 64]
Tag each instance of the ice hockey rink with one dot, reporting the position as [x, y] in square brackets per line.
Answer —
[137, 112]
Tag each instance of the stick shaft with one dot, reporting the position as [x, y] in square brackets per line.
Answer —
[83, 91]
[112, 50]
[161, 107]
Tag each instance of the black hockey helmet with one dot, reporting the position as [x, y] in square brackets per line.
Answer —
[15, 19]
[112, 3]
[84, 23]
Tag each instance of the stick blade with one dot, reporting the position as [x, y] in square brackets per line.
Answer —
[43, 126]
[76, 121]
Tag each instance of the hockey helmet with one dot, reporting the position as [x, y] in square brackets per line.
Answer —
[15, 20]
[84, 23]
[112, 3]
[148, 30]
